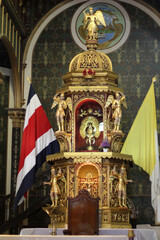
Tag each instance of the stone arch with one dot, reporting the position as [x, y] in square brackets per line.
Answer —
[15, 73]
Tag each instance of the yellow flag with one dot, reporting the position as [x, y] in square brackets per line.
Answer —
[142, 143]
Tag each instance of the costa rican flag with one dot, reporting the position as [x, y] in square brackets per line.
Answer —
[38, 141]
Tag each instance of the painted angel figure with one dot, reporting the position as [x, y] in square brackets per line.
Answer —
[62, 105]
[116, 106]
[91, 22]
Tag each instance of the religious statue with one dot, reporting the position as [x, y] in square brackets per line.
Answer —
[89, 130]
[121, 185]
[116, 106]
[90, 135]
[91, 22]
[62, 105]
[55, 191]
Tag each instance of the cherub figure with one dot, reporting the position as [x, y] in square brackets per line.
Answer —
[55, 191]
[116, 106]
[62, 105]
[91, 22]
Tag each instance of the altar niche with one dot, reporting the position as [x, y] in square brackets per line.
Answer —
[88, 178]
[88, 116]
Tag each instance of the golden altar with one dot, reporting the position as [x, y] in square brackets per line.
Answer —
[91, 171]
[89, 98]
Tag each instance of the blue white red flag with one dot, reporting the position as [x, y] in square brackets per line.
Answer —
[38, 141]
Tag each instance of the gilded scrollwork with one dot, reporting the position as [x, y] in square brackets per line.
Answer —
[89, 60]
[105, 63]
[78, 96]
[105, 186]
[71, 181]
[118, 217]
[63, 187]
[105, 217]
[112, 187]
[116, 143]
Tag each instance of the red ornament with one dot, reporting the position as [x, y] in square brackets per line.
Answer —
[84, 72]
[90, 71]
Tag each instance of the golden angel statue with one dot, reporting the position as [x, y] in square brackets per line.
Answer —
[116, 106]
[120, 187]
[91, 22]
[55, 191]
[62, 105]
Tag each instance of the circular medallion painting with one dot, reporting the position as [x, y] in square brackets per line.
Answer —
[113, 25]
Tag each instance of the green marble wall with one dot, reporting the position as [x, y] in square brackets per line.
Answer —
[136, 62]
[4, 90]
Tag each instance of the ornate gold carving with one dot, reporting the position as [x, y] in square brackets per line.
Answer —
[119, 217]
[90, 60]
[112, 187]
[71, 181]
[78, 96]
[105, 217]
[115, 218]
[105, 62]
[89, 156]
[105, 186]
[116, 143]
[64, 140]
[56, 214]
[63, 188]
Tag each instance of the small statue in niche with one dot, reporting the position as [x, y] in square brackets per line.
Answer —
[55, 191]
[89, 130]
[116, 106]
[90, 135]
[62, 105]
[91, 22]
[121, 185]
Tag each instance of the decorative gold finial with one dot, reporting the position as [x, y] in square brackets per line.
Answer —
[154, 79]
[29, 80]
